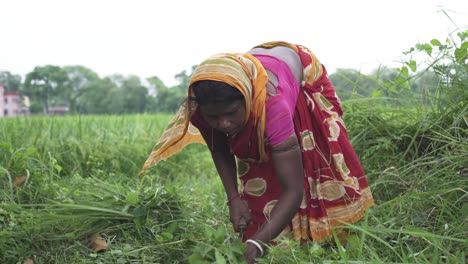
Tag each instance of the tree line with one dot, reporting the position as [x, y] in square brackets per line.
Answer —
[83, 91]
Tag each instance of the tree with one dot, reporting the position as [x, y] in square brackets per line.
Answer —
[183, 78]
[11, 82]
[95, 99]
[79, 79]
[46, 84]
[156, 85]
[169, 99]
[134, 94]
[350, 83]
[114, 94]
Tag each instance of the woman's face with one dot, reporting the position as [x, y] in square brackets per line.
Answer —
[228, 118]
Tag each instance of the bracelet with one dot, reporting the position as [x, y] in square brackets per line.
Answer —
[232, 199]
[256, 244]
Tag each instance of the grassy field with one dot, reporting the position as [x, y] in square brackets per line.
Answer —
[66, 181]
[69, 191]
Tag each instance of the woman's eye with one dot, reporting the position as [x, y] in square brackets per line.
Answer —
[212, 117]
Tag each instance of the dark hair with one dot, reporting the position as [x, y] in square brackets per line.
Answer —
[211, 92]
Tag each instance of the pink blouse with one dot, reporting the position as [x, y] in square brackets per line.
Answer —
[280, 107]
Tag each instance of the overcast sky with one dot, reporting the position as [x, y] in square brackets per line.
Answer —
[162, 38]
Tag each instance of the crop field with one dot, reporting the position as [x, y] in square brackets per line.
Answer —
[70, 193]
[69, 190]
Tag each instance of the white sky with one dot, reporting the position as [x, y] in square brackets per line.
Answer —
[164, 37]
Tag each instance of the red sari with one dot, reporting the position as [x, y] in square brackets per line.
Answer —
[336, 189]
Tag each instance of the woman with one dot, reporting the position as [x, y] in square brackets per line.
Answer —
[272, 121]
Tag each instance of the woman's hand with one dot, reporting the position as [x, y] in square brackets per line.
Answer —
[251, 253]
[239, 213]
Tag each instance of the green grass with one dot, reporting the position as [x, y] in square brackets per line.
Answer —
[81, 179]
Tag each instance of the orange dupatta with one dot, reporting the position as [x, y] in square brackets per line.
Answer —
[240, 70]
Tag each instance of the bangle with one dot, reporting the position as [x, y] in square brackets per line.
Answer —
[256, 244]
[233, 198]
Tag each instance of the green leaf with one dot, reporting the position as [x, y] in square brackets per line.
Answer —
[420, 47]
[404, 72]
[220, 234]
[436, 42]
[197, 259]
[428, 49]
[412, 65]
[461, 55]
[139, 211]
[400, 80]
[219, 258]
[132, 198]
[58, 168]
[462, 35]
[464, 45]
[316, 250]
[167, 236]
[376, 93]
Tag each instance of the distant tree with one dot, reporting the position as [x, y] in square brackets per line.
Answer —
[46, 84]
[116, 94]
[151, 105]
[156, 85]
[79, 79]
[169, 100]
[351, 83]
[134, 94]
[387, 75]
[115, 101]
[183, 78]
[96, 98]
[11, 82]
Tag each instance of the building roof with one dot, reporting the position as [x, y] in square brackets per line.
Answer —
[11, 93]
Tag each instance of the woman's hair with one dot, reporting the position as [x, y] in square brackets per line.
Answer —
[211, 92]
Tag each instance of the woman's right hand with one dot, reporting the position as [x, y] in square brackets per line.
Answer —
[239, 213]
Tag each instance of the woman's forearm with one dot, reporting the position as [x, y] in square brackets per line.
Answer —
[223, 159]
[226, 167]
[287, 160]
[281, 216]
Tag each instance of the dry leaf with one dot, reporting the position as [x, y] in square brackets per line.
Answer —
[97, 243]
[28, 260]
[19, 180]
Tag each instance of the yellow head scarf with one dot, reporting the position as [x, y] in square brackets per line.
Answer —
[240, 70]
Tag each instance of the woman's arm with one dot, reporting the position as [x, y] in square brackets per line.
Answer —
[287, 159]
[223, 160]
[226, 166]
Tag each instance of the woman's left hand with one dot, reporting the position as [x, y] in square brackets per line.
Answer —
[239, 214]
[251, 253]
